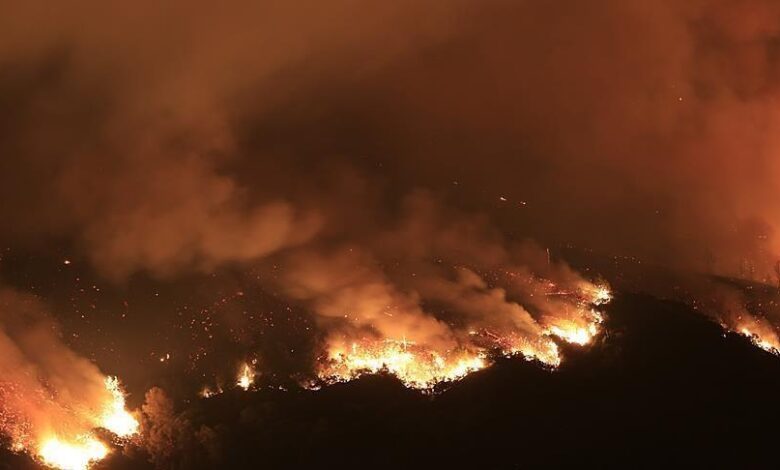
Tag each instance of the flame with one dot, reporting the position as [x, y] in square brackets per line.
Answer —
[599, 294]
[422, 367]
[543, 349]
[767, 341]
[208, 392]
[574, 333]
[115, 417]
[81, 450]
[78, 454]
[246, 377]
[417, 367]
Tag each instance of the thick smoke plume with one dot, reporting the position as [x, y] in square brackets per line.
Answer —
[169, 139]
[440, 281]
[341, 151]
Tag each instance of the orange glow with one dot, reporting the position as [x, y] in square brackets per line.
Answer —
[208, 392]
[73, 445]
[575, 333]
[421, 366]
[115, 417]
[246, 377]
[77, 454]
[417, 367]
[599, 294]
[767, 341]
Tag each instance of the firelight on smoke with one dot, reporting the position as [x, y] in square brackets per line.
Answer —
[84, 449]
[423, 367]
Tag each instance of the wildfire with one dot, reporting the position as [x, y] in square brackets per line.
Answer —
[83, 450]
[246, 377]
[599, 294]
[244, 380]
[768, 342]
[78, 454]
[115, 417]
[208, 392]
[422, 367]
[542, 349]
[574, 333]
[417, 367]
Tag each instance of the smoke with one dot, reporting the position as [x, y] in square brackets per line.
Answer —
[347, 287]
[343, 150]
[437, 282]
[46, 389]
[179, 138]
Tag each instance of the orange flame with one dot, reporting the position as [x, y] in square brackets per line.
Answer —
[575, 333]
[417, 367]
[763, 338]
[422, 367]
[78, 454]
[84, 449]
[115, 417]
[246, 377]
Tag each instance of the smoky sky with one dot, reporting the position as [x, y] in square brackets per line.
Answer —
[364, 169]
[176, 137]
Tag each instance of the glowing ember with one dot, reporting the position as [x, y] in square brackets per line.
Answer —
[115, 417]
[599, 295]
[246, 377]
[208, 392]
[76, 455]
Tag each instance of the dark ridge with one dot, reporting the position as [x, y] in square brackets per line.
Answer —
[664, 386]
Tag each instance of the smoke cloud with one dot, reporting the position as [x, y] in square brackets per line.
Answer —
[178, 138]
[385, 165]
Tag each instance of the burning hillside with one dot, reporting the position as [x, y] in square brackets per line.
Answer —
[642, 395]
[230, 202]
[418, 366]
[53, 401]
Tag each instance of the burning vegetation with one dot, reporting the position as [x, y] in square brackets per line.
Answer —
[51, 400]
[359, 191]
[246, 377]
[416, 367]
[424, 367]
[74, 445]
